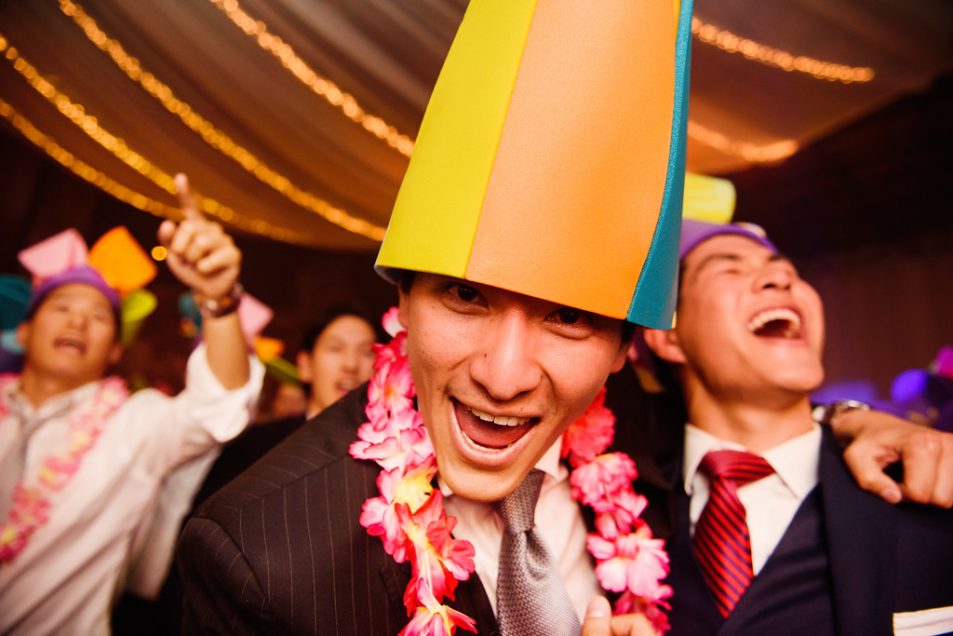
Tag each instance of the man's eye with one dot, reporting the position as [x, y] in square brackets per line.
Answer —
[466, 293]
[568, 315]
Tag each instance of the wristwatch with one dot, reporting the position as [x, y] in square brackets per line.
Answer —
[218, 307]
[825, 413]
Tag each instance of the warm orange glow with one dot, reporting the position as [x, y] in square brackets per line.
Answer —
[159, 253]
[215, 137]
[77, 114]
[755, 51]
[755, 153]
[321, 86]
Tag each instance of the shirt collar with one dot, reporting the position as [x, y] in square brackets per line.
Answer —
[795, 461]
[20, 406]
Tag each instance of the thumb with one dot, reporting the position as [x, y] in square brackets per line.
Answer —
[598, 620]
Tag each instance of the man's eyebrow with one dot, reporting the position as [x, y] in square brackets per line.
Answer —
[716, 257]
[732, 258]
[778, 256]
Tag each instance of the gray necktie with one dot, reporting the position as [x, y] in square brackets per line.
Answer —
[530, 595]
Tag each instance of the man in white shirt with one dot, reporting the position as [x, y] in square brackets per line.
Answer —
[82, 464]
[806, 548]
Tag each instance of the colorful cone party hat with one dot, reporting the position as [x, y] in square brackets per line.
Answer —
[551, 159]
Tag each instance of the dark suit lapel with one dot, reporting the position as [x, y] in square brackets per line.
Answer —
[861, 537]
[473, 601]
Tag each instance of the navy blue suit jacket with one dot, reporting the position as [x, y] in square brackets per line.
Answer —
[883, 559]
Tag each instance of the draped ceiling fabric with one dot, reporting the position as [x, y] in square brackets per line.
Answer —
[60, 88]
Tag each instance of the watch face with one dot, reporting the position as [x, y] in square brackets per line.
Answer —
[824, 413]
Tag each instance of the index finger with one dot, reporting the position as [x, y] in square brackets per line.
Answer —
[183, 193]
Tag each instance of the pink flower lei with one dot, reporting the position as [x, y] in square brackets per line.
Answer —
[409, 516]
[31, 502]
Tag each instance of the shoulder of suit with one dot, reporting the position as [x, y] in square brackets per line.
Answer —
[320, 446]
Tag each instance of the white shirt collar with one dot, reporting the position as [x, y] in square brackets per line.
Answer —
[21, 406]
[794, 461]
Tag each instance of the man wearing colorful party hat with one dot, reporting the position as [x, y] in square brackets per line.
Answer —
[81, 460]
[772, 531]
[538, 217]
[539, 212]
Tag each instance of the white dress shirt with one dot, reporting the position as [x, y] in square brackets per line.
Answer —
[66, 578]
[770, 502]
[153, 547]
[566, 542]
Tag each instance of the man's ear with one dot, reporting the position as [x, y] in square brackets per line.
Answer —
[664, 343]
[619, 361]
[401, 304]
[23, 334]
[303, 361]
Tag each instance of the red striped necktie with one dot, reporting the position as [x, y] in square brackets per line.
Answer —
[721, 540]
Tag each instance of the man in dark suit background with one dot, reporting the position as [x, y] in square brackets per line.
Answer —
[825, 556]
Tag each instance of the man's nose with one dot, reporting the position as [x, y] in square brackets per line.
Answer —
[505, 364]
[777, 276]
[352, 360]
[78, 318]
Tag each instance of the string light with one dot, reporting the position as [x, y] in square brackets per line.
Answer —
[212, 135]
[321, 86]
[348, 105]
[731, 43]
[115, 145]
[159, 253]
[755, 153]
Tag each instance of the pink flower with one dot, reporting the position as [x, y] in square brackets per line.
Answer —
[382, 515]
[403, 449]
[455, 554]
[594, 483]
[380, 519]
[30, 506]
[391, 323]
[634, 562]
[591, 434]
[437, 620]
[620, 513]
[628, 603]
[440, 561]
[394, 393]
[390, 353]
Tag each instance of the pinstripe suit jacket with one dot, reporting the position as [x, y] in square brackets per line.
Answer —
[280, 549]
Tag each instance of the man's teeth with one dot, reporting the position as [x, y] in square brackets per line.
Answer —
[500, 420]
[768, 315]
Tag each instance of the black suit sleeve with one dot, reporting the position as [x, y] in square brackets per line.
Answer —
[222, 593]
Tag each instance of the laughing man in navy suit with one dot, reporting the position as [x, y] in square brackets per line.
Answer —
[825, 556]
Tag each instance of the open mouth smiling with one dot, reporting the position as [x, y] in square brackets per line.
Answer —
[346, 385]
[68, 342]
[777, 322]
[492, 432]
